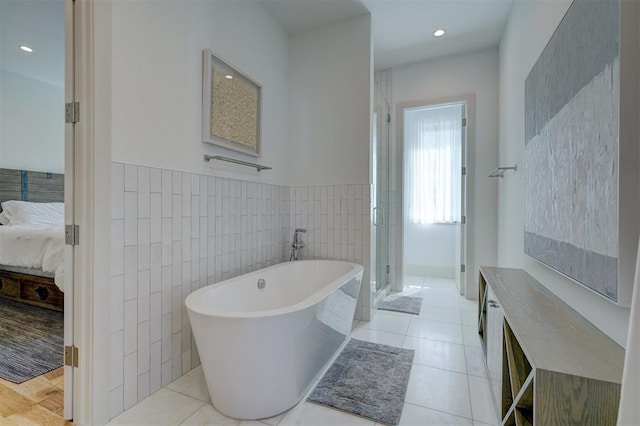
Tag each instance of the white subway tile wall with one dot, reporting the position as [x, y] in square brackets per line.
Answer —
[174, 232]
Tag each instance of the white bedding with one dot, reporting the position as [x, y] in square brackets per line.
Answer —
[38, 248]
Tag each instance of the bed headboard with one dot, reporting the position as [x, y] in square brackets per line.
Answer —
[31, 186]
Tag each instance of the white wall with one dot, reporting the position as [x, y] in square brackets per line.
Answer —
[178, 223]
[429, 249]
[32, 130]
[445, 78]
[330, 104]
[157, 82]
[530, 27]
[169, 215]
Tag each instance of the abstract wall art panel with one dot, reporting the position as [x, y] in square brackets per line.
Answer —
[572, 115]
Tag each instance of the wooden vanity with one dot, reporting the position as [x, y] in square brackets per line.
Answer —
[547, 364]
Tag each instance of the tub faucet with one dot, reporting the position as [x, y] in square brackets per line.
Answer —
[296, 244]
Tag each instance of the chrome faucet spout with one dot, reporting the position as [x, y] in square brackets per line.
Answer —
[296, 244]
[296, 232]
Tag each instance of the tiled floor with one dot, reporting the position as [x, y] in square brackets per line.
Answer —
[38, 401]
[447, 386]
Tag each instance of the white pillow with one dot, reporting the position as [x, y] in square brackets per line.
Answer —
[4, 220]
[25, 213]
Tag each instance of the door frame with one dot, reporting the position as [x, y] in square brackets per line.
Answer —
[468, 158]
[91, 171]
[69, 195]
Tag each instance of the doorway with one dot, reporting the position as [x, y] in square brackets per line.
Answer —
[36, 159]
[432, 138]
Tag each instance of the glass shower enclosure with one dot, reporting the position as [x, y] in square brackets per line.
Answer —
[381, 193]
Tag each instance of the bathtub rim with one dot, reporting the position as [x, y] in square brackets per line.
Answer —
[311, 300]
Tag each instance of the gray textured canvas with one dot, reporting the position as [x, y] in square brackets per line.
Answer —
[367, 379]
[571, 148]
[585, 42]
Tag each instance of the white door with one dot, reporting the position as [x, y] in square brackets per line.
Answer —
[69, 216]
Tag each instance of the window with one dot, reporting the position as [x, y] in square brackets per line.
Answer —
[433, 161]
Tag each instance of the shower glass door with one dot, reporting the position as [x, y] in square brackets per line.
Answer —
[381, 181]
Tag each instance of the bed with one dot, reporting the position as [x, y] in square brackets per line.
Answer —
[32, 252]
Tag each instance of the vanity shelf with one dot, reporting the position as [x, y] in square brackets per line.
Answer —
[547, 364]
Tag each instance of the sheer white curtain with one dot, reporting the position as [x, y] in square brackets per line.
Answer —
[432, 149]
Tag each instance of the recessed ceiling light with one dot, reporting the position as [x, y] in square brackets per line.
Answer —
[438, 33]
[228, 76]
[26, 49]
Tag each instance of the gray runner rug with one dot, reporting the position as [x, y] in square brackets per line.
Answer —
[367, 379]
[406, 304]
[31, 341]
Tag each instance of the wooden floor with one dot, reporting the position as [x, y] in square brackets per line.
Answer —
[38, 401]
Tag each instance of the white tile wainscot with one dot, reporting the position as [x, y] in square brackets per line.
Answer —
[174, 232]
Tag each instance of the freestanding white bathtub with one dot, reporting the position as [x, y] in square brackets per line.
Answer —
[262, 348]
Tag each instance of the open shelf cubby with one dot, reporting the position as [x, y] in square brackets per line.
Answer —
[482, 311]
[547, 364]
[519, 365]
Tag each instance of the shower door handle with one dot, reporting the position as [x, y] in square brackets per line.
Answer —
[377, 222]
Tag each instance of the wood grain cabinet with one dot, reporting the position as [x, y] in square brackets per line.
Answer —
[31, 289]
[547, 364]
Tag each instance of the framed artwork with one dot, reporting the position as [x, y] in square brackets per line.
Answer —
[231, 107]
[575, 149]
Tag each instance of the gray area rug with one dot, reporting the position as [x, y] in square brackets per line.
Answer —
[31, 341]
[367, 379]
[406, 304]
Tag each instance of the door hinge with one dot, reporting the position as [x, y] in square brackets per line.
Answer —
[463, 220]
[463, 268]
[71, 356]
[464, 122]
[388, 269]
[72, 235]
[464, 171]
[72, 112]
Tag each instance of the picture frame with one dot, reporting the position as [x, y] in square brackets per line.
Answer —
[231, 107]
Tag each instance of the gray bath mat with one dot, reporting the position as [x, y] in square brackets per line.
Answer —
[367, 379]
[406, 304]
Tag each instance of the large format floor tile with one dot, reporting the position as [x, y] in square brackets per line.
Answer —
[433, 313]
[164, 407]
[471, 336]
[447, 386]
[388, 322]
[433, 353]
[207, 415]
[440, 390]
[192, 384]
[435, 330]
[413, 415]
[481, 401]
[309, 414]
[377, 336]
[475, 361]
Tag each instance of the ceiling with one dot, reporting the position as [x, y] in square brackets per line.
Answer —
[403, 29]
[39, 25]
